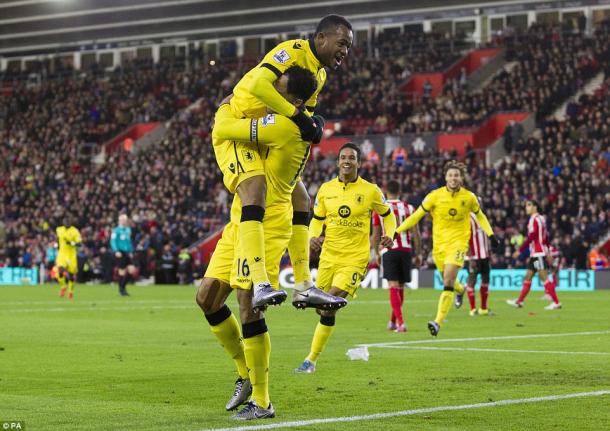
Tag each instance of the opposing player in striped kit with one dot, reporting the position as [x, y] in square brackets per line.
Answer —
[396, 261]
[538, 243]
[478, 263]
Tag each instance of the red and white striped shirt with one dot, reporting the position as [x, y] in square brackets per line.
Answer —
[479, 242]
[401, 211]
[537, 236]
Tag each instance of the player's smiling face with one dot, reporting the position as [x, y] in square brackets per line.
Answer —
[348, 164]
[333, 46]
[453, 178]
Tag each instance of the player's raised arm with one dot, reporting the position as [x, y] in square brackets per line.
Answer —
[412, 220]
[262, 87]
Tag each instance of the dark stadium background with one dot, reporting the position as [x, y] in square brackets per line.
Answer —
[105, 107]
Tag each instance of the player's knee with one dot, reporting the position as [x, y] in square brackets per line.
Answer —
[252, 213]
[470, 289]
[206, 295]
[252, 329]
[300, 199]
[300, 218]
[485, 278]
[327, 320]
[253, 191]
[219, 316]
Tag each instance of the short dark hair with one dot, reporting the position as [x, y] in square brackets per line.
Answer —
[393, 187]
[353, 147]
[301, 82]
[330, 22]
[533, 202]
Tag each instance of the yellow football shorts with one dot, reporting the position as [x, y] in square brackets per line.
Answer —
[340, 275]
[229, 265]
[67, 262]
[238, 161]
[452, 254]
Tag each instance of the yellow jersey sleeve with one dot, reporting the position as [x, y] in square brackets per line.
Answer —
[76, 236]
[262, 88]
[319, 215]
[429, 202]
[272, 130]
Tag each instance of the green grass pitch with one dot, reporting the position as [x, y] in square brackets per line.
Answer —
[149, 362]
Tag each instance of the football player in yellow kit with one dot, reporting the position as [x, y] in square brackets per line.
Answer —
[68, 238]
[243, 168]
[450, 208]
[284, 153]
[344, 205]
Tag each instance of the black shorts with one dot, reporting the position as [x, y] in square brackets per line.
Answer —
[397, 266]
[124, 261]
[538, 263]
[479, 266]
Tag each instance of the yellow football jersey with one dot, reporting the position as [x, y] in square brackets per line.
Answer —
[346, 210]
[279, 145]
[450, 215]
[296, 52]
[65, 236]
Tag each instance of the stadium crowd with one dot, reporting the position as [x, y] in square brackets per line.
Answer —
[174, 193]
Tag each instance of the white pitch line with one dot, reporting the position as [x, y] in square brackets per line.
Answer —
[295, 424]
[506, 337]
[474, 349]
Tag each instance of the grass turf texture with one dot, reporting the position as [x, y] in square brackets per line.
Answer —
[103, 362]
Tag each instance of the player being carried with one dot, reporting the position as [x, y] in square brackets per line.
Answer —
[284, 153]
[450, 208]
[539, 257]
[344, 206]
[244, 171]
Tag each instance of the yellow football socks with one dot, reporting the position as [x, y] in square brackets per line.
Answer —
[298, 248]
[444, 305]
[257, 350]
[320, 338]
[458, 287]
[70, 286]
[252, 244]
[228, 334]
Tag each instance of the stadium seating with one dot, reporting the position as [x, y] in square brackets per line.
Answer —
[174, 191]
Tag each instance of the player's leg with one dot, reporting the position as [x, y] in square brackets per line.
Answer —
[252, 192]
[257, 350]
[343, 281]
[123, 262]
[211, 298]
[244, 174]
[484, 268]
[72, 270]
[549, 287]
[62, 273]
[391, 272]
[305, 294]
[400, 276]
[131, 270]
[449, 261]
[532, 268]
[470, 283]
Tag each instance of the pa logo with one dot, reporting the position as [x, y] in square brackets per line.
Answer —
[452, 212]
[344, 211]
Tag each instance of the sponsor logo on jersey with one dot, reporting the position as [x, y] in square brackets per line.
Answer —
[281, 56]
[344, 211]
[269, 119]
[452, 212]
